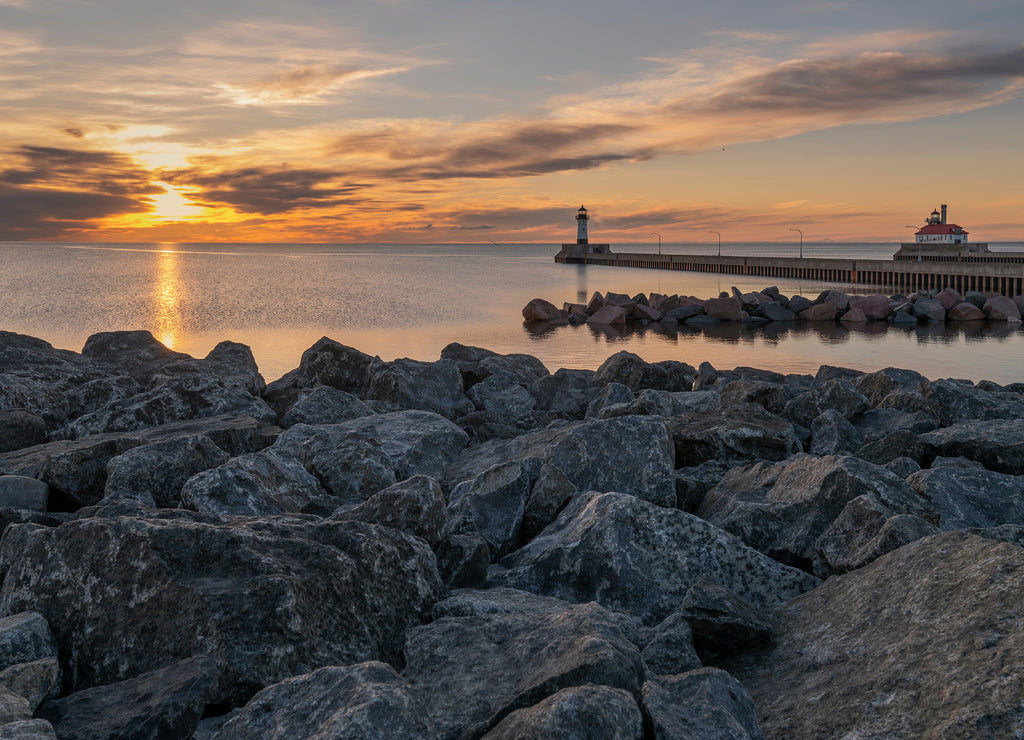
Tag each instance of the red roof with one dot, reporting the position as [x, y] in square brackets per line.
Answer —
[941, 229]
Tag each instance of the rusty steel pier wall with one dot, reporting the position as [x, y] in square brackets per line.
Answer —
[985, 275]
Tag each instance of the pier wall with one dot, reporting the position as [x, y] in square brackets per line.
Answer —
[903, 276]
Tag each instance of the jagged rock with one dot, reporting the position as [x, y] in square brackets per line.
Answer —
[351, 466]
[259, 484]
[21, 492]
[540, 310]
[549, 495]
[501, 393]
[325, 405]
[916, 645]
[838, 394]
[929, 309]
[565, 393]
[13, 708]
[948, 297]
[493, 504]
[782, 509]
[738, 433]
[721, 620]
[970, 496]
[608, 315]
[705, 703]
[576, 712]
[360, 701]
[135, 353]
[864, 531]
[723, 309]
[20, 428]
[164, 703]
[955, 401]
[427, 386]
[965, 312]
[526, 369]
[632, 556]
[682, 313]
[669, 647]
[25, 637]
[265, 597]
[997, 444]
[417, 442]
[631, 371]
[612, 394]
[180, 398]
[230, 362]
[472, 671]
[775, 311]
[874, 424]
[154, 474]
[462, 560]
[1001, 308]
[415, 506]
[875, 307]
[832, 434]
[901, 444]
[854, 316]
[770, 396]
[903, 466]
[877, 385]
[818, 312]
[34, 681]
[330, 363]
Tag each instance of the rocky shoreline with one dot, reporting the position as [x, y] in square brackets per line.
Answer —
[479, 547]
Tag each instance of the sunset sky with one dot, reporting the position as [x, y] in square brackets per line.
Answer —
[479, 121]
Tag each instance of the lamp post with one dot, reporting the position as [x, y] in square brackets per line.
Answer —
[655, 233]
[719, 241]
[801, 242]
[918, 244]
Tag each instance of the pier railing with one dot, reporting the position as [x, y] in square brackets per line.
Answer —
[986, 276]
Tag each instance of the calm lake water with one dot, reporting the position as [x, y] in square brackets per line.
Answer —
[412, 300]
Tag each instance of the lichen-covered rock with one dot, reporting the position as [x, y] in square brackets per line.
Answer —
[877, 385]
[331, 363]
[833, 434]
[415, 506]
[265, 597]
[351, 466]
[501, 393]
[462, 560]
[641, 559]
[325, 405]
[996, 444]
[493, 504]
[744, 431]
[704, 703]
[167, 702]
[472, 671]
[971, 496]
[412, 384]
[259, 484]
[367, 700]
[154, 474]
[837, 394]
[782, 509]
[722, 620]
[575, 713]
[916, 645]
[669, 647]
[565, 393]
[230, 362]
[25, 636]
[549, 495]
[957, 401]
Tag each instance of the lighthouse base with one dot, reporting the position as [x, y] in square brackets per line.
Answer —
[579, 252]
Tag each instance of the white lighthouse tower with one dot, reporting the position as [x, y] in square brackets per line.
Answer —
[578, 252]
[581, 226]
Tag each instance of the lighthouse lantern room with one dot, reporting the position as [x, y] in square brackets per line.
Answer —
[578, 252]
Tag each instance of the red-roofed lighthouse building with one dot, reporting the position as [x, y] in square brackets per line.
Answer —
[936, 229]
[939, 239]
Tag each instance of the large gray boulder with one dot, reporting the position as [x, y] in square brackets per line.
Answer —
[996, 444]
[154, 474]
[416, 442]
[352, 466]
[413, 384]
[167, 702]
[971, 496]
[877, 385]
[565, 393]
[179, 398]
[331, 363]
[916, 644]
[230, 362]
[472, 671]
[259, 484]
[25, 637]
[134, 353]
[576, 713]
[265, 597]
[706, 703]
[368, 700]
[837, 394]
[21, 492]
[325, 405]
[782, 509]
[959, 401]
[739, 433]
[415, 506]
[641, 559]
[493, 504]
[20, 428]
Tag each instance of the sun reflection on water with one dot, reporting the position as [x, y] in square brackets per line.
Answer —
[168, 319]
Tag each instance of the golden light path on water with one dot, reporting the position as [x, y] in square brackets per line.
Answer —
[167, 323]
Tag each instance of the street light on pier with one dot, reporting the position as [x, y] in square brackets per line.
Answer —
[655, 233]
[801, 242]
[719, 241]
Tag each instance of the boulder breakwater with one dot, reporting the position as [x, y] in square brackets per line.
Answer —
[770, 306]
[480, 547]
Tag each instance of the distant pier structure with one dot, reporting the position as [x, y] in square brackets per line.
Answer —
[582, 248]
[940, 241]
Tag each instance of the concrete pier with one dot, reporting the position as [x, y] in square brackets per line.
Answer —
[998, 273]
